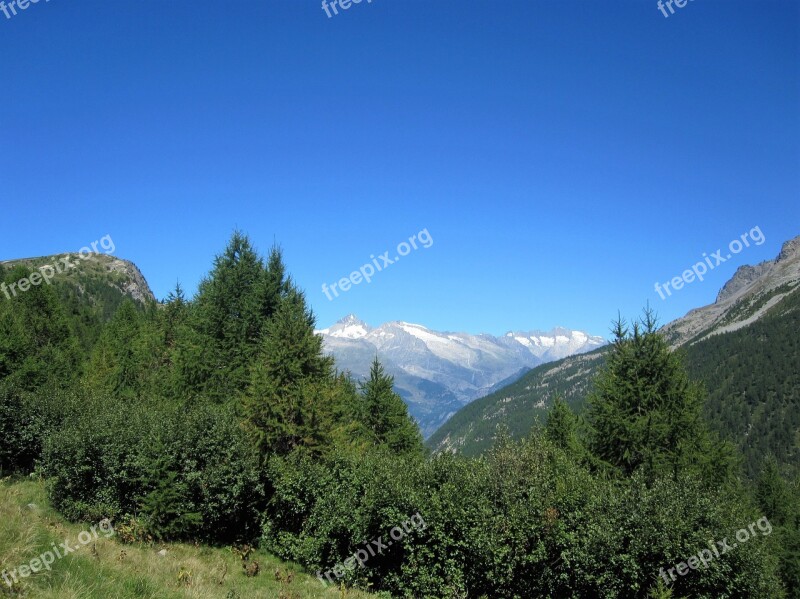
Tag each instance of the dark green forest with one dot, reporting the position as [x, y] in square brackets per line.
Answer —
[752, 377]
[219, 419]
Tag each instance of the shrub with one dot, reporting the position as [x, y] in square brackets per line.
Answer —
[184, 470]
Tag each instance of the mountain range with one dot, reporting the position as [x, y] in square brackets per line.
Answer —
[437, 373]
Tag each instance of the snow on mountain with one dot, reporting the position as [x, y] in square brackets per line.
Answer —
[349, 327]
[439, 372]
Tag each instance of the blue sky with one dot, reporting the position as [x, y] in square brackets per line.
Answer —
[563, 155]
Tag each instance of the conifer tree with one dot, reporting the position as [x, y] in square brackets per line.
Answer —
[772, 493]
[122, 357]
[645, 412]
[778, 499]
[562, 428]
[39, 357]
[386, 414]
[37, 344]
[231, 309]
[170, 328]
[176, 311]
[276, 283]
[166, 506]
[286, 405]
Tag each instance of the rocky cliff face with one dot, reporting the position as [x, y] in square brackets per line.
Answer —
[134, 283]
[742, 279]
[743, 300]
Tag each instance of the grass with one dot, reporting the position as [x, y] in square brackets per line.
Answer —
[107, 569]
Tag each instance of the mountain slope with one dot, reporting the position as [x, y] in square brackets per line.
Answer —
[437, 373]
[122, 276]
[750, 293]
[518, 406]
[91, 287]
[752, 376]
[744, 348]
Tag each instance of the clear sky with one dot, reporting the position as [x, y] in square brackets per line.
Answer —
[563, 155]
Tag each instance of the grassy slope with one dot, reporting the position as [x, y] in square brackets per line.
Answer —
[108, 569]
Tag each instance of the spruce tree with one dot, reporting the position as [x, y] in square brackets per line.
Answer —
[166, 505]
[122, 357]
[772, 494]
[174, 378]
[37, 345]
[287, 404]
[645, 412]
[386, 414]
[562, 428]
[176, 311]
[276, 283]
[231, 309]
[39, 358]
[778, 500]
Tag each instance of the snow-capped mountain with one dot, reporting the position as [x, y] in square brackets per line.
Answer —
[437, 373]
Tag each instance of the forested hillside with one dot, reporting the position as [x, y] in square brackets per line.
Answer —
[90, 287]
[219, 420]
[752, 377]
[746, 356]
[519, 406]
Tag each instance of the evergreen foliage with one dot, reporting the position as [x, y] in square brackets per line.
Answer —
[562, 429]
[386, 414]
[219, 418]
[645, 412]
[286, 403]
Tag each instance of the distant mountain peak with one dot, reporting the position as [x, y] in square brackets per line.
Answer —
[349, 327]
[790, 249]
[351, 319]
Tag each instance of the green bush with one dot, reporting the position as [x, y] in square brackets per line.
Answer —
[525, 521]
[183, 469]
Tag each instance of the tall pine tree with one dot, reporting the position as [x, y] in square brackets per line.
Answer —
[645, 412]
[126, 352]
[37, 344]
[385, 413]
[228, 317]
[562, 428]
[287, 404]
